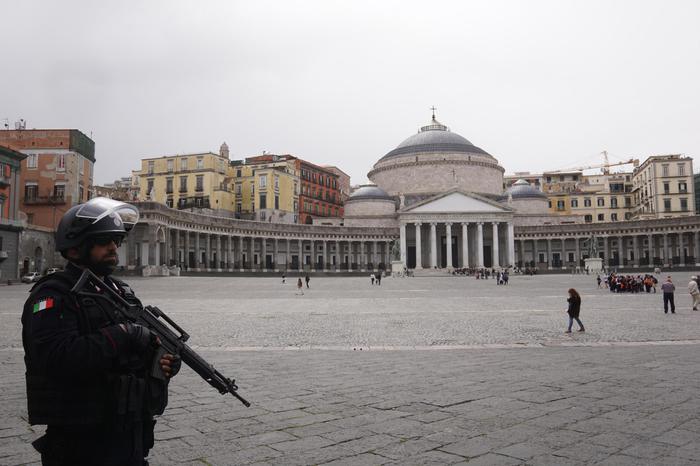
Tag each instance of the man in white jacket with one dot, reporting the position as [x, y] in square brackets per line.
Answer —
[694, 291]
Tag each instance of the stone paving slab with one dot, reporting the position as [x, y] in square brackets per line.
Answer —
[443, 371]
[589, 426]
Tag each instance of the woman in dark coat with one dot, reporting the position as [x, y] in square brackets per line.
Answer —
[574, 310]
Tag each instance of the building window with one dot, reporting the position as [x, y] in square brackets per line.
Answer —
[684, 204]
[586, 201]
[560, 205]
[61, 162]
[296, 189]
[169, 185]
[628, 202]
[601, 202]
[549, 202]
[263, 201]
[151, 167]
[277, 183]
[31, 161]
[601, 217]
[681, 169]
[59, 191]
[613, 217]
[588, 218]
[682, 187]
[238, 173]
[252, 188]
[200, 163]
[169, 202]
[277, 202]
[183, 164]
[296, 206]
[171, 165]
[239, 188]
[667, 188]
[263, 181]
[664, 169]
[628, 215]
[574, 202]
[30, 192]
[613, 202]
[239, 207]
[80, 194]
[667, 205]
[149, 186]
[200, 183]
[183, 183]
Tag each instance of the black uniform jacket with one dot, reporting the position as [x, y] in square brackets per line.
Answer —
[75, 350]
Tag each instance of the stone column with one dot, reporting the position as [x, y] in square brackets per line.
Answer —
[535, 253]
[480, 245]
[635, 251]
[606, 263]
[387, 255]
[578, 251]
[178, 262]
[494, 250]
[511, 245]
[403, 243]
[263, 253]
[325, 253]
[362, 259]
[681, 253]
[276, 251]
[374, 256]
[448, 244]
[207, 245]
[549, 254]
[288, 255]
[650, 240]
[337, 256]
[240, 253]
[187, 250]
[219, 253]
[433, 245]
[465, 245]
[696, 248]
[197, 254]
[252, 253]
[667, 260]
[300, 265]
[621, 251]
[419, 252]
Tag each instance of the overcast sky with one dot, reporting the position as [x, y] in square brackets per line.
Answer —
[537, 84]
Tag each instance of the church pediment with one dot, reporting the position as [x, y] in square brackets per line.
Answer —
[457, 202]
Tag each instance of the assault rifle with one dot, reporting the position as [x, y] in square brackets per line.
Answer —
[172, 336]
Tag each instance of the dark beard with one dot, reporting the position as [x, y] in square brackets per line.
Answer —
[103, 268]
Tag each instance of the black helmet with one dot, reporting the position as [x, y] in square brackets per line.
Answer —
[98, 216]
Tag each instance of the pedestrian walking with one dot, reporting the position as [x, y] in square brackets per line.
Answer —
[574, 310]
[599, 280]
[284, 278]
[694, 292]
[379, 278]
[308, 279]
[668, 288]
[300, 286]
[371, 278]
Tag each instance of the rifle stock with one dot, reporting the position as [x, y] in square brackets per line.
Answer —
[175, 343]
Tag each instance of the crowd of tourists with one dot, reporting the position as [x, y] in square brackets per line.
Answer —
[619, 283]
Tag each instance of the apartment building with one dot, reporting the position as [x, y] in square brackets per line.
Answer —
[10, 224]
[55, 175]
[663, 187]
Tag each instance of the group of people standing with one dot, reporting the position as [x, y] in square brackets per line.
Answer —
[628, 283]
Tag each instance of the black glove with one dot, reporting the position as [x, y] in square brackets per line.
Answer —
[139, 338]
[175, 366]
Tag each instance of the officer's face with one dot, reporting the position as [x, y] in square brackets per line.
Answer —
[103, 255]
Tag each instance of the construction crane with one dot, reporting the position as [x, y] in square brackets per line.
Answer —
[605, 166]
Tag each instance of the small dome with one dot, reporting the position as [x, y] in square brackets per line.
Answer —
[521, 189]
[369, 191]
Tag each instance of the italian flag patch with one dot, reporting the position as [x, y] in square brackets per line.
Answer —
[46, 303]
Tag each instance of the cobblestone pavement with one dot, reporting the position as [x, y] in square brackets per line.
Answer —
[493, 381]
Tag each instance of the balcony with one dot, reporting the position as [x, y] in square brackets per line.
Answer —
[45, 200]
[183, 189]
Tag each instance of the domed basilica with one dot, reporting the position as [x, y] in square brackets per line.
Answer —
[446, 195]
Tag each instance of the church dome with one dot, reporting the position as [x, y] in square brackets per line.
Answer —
[521, 189]
[435, 137]
[369, 191]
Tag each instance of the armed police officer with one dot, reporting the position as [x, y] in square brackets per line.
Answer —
[94, 379]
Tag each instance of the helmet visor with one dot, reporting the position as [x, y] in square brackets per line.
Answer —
[97, 208]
